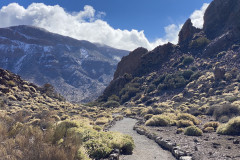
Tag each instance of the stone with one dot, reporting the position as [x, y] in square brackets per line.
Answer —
[236, 141]
[185, 158]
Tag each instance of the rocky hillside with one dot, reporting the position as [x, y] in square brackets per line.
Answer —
[37, 123]
[79, 70]
[169, 69]
[189, 92]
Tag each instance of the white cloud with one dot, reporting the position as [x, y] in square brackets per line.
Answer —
[86, 25]
[197, 16]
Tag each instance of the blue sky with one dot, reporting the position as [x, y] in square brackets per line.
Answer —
[152, 17]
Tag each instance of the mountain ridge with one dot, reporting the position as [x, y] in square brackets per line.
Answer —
[79, 70]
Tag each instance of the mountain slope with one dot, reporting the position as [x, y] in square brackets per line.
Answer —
[79, 70]
[198, 51]
[187, 90]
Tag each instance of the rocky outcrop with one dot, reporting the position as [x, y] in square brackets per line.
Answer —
[186, 34]
[153, 60]
[129, 64]
[220, 17]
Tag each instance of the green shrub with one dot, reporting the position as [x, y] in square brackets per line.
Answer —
[184, 123]
[188, 60]
[148, 116]
[101, 121]
[195, 76]
[82, 154]
[130, 90]
[186, 116]
[180, 130]
[224, 110]
[61, 129]
[113, 98]
[211, 124]
[111, 104]
[209, 129]
[193, 131]
[187, 74]
[128, 145]
[151, 88]
[11, 83]
[160, 120]
[230, 128]
[199, 43]
[97, 149]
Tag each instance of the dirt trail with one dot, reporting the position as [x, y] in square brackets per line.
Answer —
[145, 149]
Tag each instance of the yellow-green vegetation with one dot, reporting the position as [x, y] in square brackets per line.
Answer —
[180, 130]
[184, 123]
[209, 129]
[160, 120]
[199, 43]
[188, 60]
[101, 121]
[186, 116]
[230, 128]
[111, 104]
[212, 124]
[193, 131]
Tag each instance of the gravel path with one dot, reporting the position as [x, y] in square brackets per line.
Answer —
[145, 149]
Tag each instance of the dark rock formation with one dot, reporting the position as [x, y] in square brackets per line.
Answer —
[129, 64]
[220, 17]
[154, 59]
[186, 34]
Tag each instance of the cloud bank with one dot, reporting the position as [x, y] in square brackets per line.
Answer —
[87, 25]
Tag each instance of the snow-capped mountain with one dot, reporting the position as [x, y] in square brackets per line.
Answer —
[79, 70]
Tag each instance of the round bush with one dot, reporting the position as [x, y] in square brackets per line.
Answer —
[230, 128]
[193, 131]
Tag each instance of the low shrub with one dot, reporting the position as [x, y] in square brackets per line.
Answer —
[187, 74]
[148, 116]
[97, 149]
[193, 131]
[188, 60]
[180, 130]
[209, 129]
[61, 129]
[211, 124]
[199, 43]
[219, 111]
[184, 123]
[101, 121]
[111, 104]
[230, 128]
[128, 145]
[160, 120]
[186, 116]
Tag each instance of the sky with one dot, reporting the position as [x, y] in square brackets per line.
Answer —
[123, 24]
